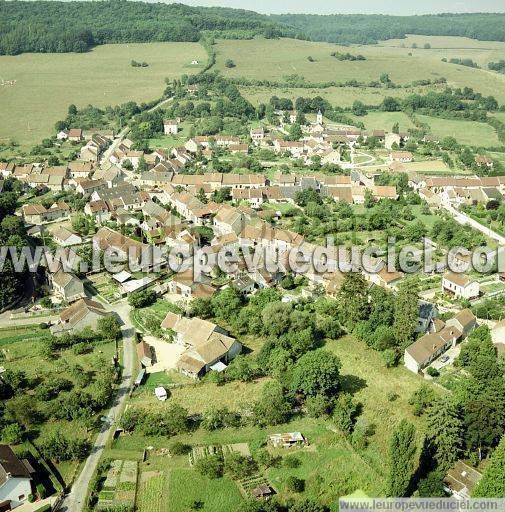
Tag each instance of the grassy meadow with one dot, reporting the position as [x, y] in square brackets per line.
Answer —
[45, 84]
[275, 58]
[472, 133]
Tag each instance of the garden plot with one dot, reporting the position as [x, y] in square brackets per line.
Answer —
[105, 287]
[119, 488]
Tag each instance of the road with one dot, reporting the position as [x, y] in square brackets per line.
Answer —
[465, 220]
[75, 500]
[124, 132]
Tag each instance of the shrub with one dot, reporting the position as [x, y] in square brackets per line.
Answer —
[211, 466]
[292, 462]
[179, 448]
[295, 484]
[432, 372]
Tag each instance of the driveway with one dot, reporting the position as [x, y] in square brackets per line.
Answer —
[75, 500]
[452, 354]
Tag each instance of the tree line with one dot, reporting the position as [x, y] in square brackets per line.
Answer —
[43, 26]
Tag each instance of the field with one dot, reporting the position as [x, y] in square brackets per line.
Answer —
[274, 59]
[385, 121]
[472, 133]
[46, 84]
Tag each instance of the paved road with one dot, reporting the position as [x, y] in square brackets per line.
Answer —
[465, 220]
[75, 500]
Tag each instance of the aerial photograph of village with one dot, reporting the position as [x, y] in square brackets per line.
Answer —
[252, 256]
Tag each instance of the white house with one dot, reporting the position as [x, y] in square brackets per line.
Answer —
[460, 285]
[15, 478]
[62, 236]
[170, 127]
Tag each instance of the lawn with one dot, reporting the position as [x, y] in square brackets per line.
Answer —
[185, 486]
[275, 58]
[46, 84]
[471, 133]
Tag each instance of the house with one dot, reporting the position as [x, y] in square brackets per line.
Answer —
[257, 134]
[484, 161]
[161, 393]
[99, 210]
[81, 314]
[426, 349]
[287, 440]
[65, 238]
[15, 479]
[80, 169]
[170, 127]
[402, 156]
[62, 135]
[74, 135]
[125, 247]
[386, 279]
[461, 480]
[460, 285]
[67, 286]
[262, 492]
[88, 186]
[498, 333]
[38, 214]
[392, 139]
[184, 284]
[208, 347]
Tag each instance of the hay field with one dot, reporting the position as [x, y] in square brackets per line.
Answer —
[45, 84]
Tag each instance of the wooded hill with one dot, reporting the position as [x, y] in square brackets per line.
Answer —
[47, 26]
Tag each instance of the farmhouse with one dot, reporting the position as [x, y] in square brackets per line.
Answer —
[67, 286]
[15, 479]
[74, 135]
[208, 347]
[460, 285]
[81, 314]
[257, 134]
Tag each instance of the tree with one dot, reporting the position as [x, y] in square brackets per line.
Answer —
[211, 466]
[109, 327]
[492, 484]
[402, 448]
[421, 399]
[240, 466]
[142, 298]
[445, 431]
[226, 304]
[358, 108]
[353, 299]
[316, 373]
[294, 484]
[345, 412]
[295, 132]
[12, 434]
[273, 407]
[406, 310]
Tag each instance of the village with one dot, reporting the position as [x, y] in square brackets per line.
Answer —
[127, 201]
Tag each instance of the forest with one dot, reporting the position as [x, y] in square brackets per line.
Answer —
[60, 27]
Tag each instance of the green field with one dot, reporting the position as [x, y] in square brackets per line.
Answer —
[385, 121]
[47, 83]
[274, 59]
[472, 133]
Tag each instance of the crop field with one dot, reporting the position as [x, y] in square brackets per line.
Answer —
[274, 59]
[472, 133]
[46, 84]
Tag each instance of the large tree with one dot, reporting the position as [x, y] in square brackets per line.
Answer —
[316, 373]
[492, 484]
[445, 431]
[406, 310]
[402, 448]
[353, 299]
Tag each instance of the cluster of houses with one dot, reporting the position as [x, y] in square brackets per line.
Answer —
[457, 191]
